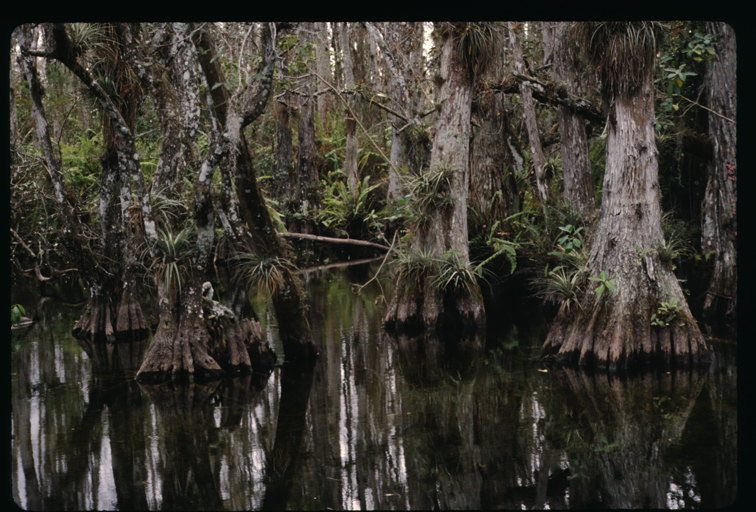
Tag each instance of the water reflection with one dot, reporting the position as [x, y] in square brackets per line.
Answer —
[379, 422]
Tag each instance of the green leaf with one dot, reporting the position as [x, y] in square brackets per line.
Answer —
[600, 290]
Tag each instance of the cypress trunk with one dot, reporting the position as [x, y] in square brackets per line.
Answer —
[181, 344]
[492, 184]
[428, 304]
[615, 329]
[719, 228]
[578, 181]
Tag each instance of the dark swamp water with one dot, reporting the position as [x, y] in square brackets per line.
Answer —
[377, 423]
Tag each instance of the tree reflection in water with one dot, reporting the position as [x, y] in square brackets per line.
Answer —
[379, 422]
[622, 430]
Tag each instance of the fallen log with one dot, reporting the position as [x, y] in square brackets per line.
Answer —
[329, 240]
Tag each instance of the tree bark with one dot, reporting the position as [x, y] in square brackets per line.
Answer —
[719, 229]
[428, 306]
[401, 49]
[309, 179]
[578, 180]
[350, 159]
[261, 237]
[614, 329]
[177, 96]
[536, 151]
[549, 93]
[323, 56]
[114, 314]
[492, 184]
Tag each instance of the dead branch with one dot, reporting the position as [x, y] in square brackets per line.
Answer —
[347, 241]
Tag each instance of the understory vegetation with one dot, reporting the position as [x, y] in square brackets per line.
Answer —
[348, 198]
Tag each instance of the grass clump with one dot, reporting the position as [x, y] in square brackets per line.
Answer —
[261, 272]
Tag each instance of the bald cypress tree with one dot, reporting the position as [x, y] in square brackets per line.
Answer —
[633, 310]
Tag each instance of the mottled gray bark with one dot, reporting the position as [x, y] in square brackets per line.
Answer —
[177, 96]
[350, 159]
[492, 184]
[614, 329]
[309, 179]
[260, 234]
[323, 56]
[113, 312]
[576, 165]
[719, 225]
[446, 229]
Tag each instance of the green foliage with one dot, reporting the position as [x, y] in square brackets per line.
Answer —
[578, 469]
[497, 246]
[173, 258]
[353, 212]
[81, 168]
[605, 446]
[702, 47]
[17, 310]
[572, 239]
[678, 238]
[454, 274]
[417, 141]
[276, 217]
[622, 51]
[167, 212]
[411, 268]
[676, 78]
[262, 273]
[475, 44]
[686, 54]
[567, 280]
[431, 190]
[666, 314]
[604, 283]
[331, 141]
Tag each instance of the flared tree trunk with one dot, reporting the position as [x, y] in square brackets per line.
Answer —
[614, 329]
[113, 314]
[445, 229]
[719, 205]
[181, 344]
